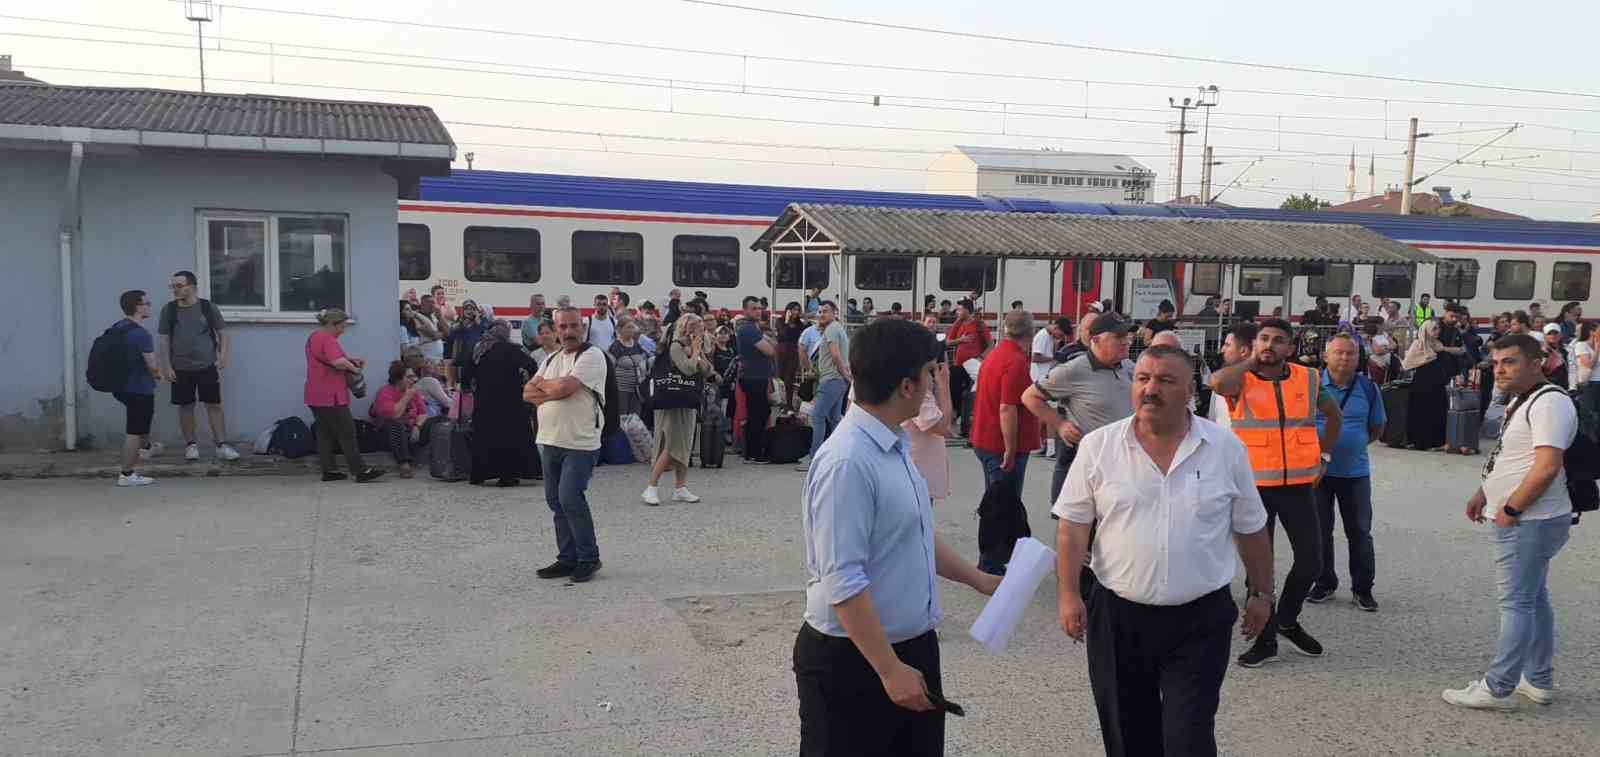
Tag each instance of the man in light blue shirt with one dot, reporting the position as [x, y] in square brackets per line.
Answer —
[867, 659]
[1348, 479]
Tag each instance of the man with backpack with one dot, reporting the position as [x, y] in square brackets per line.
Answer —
[126, 351]
[570, 392]
[1524, 492]
[1348, 481]
[194, 352]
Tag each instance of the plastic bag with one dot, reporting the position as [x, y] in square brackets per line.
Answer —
[639, 438]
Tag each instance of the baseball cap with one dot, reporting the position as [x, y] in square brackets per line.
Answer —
[1552, 328]
[1110, 323]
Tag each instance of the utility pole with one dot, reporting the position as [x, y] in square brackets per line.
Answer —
[199, 11]
[1206, 166]
[1183, 129]
[470, 157]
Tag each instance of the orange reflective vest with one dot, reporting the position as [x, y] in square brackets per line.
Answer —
[1277, 421]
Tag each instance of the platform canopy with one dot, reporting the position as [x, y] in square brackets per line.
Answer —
[919, 232]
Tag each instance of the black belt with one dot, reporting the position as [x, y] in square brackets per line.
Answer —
[811, 633]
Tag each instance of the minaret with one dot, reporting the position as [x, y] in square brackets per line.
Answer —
[1350, 186]
[1372, 174]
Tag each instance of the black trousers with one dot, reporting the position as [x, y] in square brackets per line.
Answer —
[334, 424]
[844, 709]
[757, 409]
[960, 384]
[1296, 507]
[1157, 672]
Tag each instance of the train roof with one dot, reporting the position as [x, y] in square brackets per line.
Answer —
[754, 200]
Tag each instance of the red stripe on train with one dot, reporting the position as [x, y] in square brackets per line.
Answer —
[420, 208]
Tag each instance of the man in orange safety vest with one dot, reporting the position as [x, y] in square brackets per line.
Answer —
[1272, 405]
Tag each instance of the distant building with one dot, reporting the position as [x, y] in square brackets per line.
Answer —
[7, 74]
[1423, 203]
[1040, 174]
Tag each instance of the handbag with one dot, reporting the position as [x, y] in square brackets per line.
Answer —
[670, 389]
[356, 383]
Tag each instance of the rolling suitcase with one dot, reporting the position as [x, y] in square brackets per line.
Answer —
[1461, 426]
[713, 441]
[1396, 401]
[788, 440]
[450, 451]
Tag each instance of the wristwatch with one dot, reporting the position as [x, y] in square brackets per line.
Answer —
[1272, 599]
[1327, 458]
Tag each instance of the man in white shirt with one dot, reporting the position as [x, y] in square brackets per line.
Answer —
[1524, 491]
[1044, 358]
[1173, 495]
[569, 392]
[1236, 348]
[602, 326]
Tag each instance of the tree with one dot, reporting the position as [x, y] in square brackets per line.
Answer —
[1303, 202]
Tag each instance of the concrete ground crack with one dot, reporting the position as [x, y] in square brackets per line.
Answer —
[305, 628]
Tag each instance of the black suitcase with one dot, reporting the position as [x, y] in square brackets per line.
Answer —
[1462, 426]
[788, 441]
[713, 441]
[1396, 403]
[450, 451]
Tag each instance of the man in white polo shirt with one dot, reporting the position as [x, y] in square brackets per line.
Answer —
[1173, 494]
[1043, 359]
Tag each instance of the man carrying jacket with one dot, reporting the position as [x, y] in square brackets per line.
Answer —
[1273, 405]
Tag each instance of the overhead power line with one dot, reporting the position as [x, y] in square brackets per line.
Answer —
[1140, 53]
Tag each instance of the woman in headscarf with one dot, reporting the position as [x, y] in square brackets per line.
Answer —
[502, 440]
[1431, 370]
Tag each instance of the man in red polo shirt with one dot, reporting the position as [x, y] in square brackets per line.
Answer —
[1004, 431]
[970, 339]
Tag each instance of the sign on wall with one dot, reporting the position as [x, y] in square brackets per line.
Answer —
[1147, 294]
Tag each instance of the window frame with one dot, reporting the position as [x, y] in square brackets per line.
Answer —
[990, 283]
[1533, 281]
[427, 271]
[1194, 279]
[1247, 291]
[1456, 293]
[738, 259]
[778, 260]
[538, 253]
[1588, 281]
[1319, 291]
[573, 255]
[857, 268]
[271, 310]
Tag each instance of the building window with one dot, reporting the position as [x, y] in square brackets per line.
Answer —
[1035, 179]
[1391, 281]
[416, 252]
[705, 261]
[497, 253]
[1570, 281]
[1335, 281]
[1260, 280]
[968, 274]
[1513, 279]
[891, 274]
[1206, 278]
[274, 263]
[607, 257]
[1456, 278]
[788, 272]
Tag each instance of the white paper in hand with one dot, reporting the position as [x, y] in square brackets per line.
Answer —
[1031, 560]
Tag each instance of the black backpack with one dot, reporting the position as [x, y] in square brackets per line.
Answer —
[292, 438]
[111, 359]
[610, 421]
[1581, 461]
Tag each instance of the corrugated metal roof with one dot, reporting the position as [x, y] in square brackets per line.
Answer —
[1011, 158]
[219, 114]
[958, 233]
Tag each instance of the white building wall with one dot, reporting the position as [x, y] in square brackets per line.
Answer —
[1003, 183]
[953, 173]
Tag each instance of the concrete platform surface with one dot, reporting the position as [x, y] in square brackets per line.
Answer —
[234, 616]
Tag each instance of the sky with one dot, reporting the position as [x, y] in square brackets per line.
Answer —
[757, 97]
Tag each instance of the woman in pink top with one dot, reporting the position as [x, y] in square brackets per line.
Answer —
[328, 396]
[398, 411]
[928, 431]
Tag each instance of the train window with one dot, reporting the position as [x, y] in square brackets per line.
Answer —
[894, 274]
[496, 253]
[1513, 279]
[705, 261]
[788, 272]
[416, 252]
[967, 274]
[1391, 281]
[1456, 278]
[1260, 280]
[1207, 279]
[1335, 281]
[607, 257]
[1085, 275]
[1570, 281]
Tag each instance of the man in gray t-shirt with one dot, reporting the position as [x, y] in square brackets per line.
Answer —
[1086, 392]
[833, 377]
[193, 353]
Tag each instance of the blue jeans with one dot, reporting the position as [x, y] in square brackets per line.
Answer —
[1354, 499]
[566, 479]
[1527, 643]
[826, 410]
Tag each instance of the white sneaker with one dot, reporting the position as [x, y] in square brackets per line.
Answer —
[651, 496]
[227, 452]
[682, 494]
[1478, 697]
[191, 452]
[805, 465]
[151, 451]
[1534, 693]
[134, 479]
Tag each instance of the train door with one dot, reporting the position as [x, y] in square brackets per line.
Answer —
[1080, 286]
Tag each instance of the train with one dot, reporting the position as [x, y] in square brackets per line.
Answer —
[498, 237]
